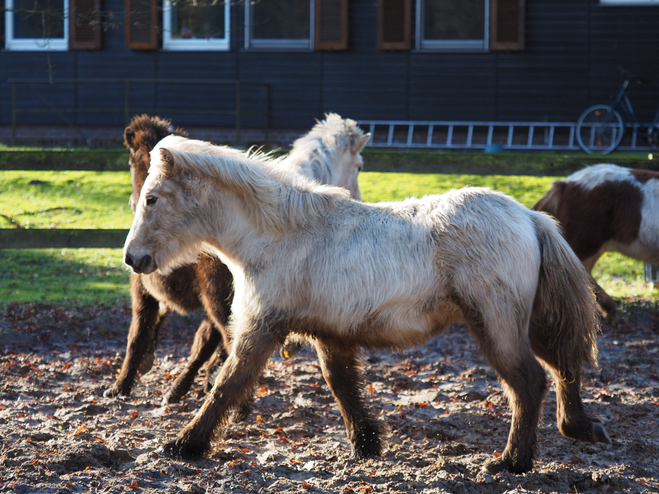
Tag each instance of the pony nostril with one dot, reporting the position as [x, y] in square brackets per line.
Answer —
[129, 260]
[145, 262]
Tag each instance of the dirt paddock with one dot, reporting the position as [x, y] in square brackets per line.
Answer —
[442, 405]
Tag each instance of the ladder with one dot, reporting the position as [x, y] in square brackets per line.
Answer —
[449, 134]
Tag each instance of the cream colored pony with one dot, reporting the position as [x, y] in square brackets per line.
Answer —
[308, 260]
[330, 153]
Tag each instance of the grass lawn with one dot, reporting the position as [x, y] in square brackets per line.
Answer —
[100, 200]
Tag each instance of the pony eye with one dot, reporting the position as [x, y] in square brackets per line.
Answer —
[151, 200]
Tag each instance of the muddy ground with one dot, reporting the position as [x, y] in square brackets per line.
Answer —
[444, 409]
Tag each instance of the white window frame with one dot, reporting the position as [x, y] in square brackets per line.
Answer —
[279, 44]
[34, 44]
[630, 3]
[450, 45]
[196, 44]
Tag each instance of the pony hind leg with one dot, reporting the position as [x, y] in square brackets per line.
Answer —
[340, 368]
[523, 379]
[525, 384]
[142, 338]
[571, 416]
[235, 383]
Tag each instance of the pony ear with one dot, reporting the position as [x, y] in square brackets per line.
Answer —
[361, 143]
[129, 136]
[167, 161]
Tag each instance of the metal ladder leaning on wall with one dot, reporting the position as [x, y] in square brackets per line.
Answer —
[445, 134]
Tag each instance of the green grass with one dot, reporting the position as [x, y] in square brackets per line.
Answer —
[70, 276]
[100, 200]
[65, 199]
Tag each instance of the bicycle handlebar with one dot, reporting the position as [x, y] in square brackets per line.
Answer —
[631, 77]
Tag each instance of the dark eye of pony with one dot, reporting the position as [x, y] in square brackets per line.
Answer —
[151, 200]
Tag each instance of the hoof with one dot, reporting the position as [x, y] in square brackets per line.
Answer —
[115, 391]
[180, 450]
[170, 398]
[502, 463]
[611, 317]
[592, 431]
[360, 455]
[599, 434]
[289, 350]
[242, 412]
[147, 363]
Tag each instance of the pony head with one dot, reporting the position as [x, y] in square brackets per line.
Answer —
[140, 137]
[165, 230]
[331, 153]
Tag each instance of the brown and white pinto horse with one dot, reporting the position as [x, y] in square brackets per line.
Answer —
[329, 153]
[307, 260]
[603, 208]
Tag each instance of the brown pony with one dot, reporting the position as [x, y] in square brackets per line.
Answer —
[607, 208]
[330, 153]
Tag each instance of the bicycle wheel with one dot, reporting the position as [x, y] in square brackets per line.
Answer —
[599, 129]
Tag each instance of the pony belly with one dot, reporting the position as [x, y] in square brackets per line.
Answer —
[636, 250]
[399, 328]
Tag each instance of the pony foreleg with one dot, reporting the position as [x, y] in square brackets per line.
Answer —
[604, 300]
[341, 372]
[142, 339]
[234, 384]
[206, 342]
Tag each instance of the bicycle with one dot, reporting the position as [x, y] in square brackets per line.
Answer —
[600, 128]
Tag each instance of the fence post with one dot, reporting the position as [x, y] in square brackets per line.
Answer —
[127, 103]
[13, 113]
[267, 111]
[237, 112]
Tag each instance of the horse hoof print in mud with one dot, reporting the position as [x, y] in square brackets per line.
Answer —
[406, 272]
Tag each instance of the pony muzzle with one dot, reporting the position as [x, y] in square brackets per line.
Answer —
[143, 264]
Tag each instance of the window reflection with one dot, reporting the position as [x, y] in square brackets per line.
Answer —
[454, 19]
[281, 19]
[192, 19]
[37, 19]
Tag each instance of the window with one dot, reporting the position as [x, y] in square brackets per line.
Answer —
[453, 24]
[279, 24]
[33, 25]
[629, 2]
[195, 25]
[296, 24]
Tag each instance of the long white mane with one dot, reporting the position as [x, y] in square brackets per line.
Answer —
[279, 199]
[315, 154]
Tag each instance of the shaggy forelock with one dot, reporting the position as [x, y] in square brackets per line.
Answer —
[332, 133]
[148, 130]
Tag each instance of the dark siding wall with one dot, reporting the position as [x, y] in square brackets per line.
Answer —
[572, 50]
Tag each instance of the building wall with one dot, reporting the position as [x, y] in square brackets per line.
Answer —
[572, 50]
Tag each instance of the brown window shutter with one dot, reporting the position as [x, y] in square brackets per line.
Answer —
[85, 24]
[507, 26]
[394, 25]
[331, 25]
[141, 24]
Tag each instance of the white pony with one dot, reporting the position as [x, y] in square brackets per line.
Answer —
[308, 260]
[329, 153]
